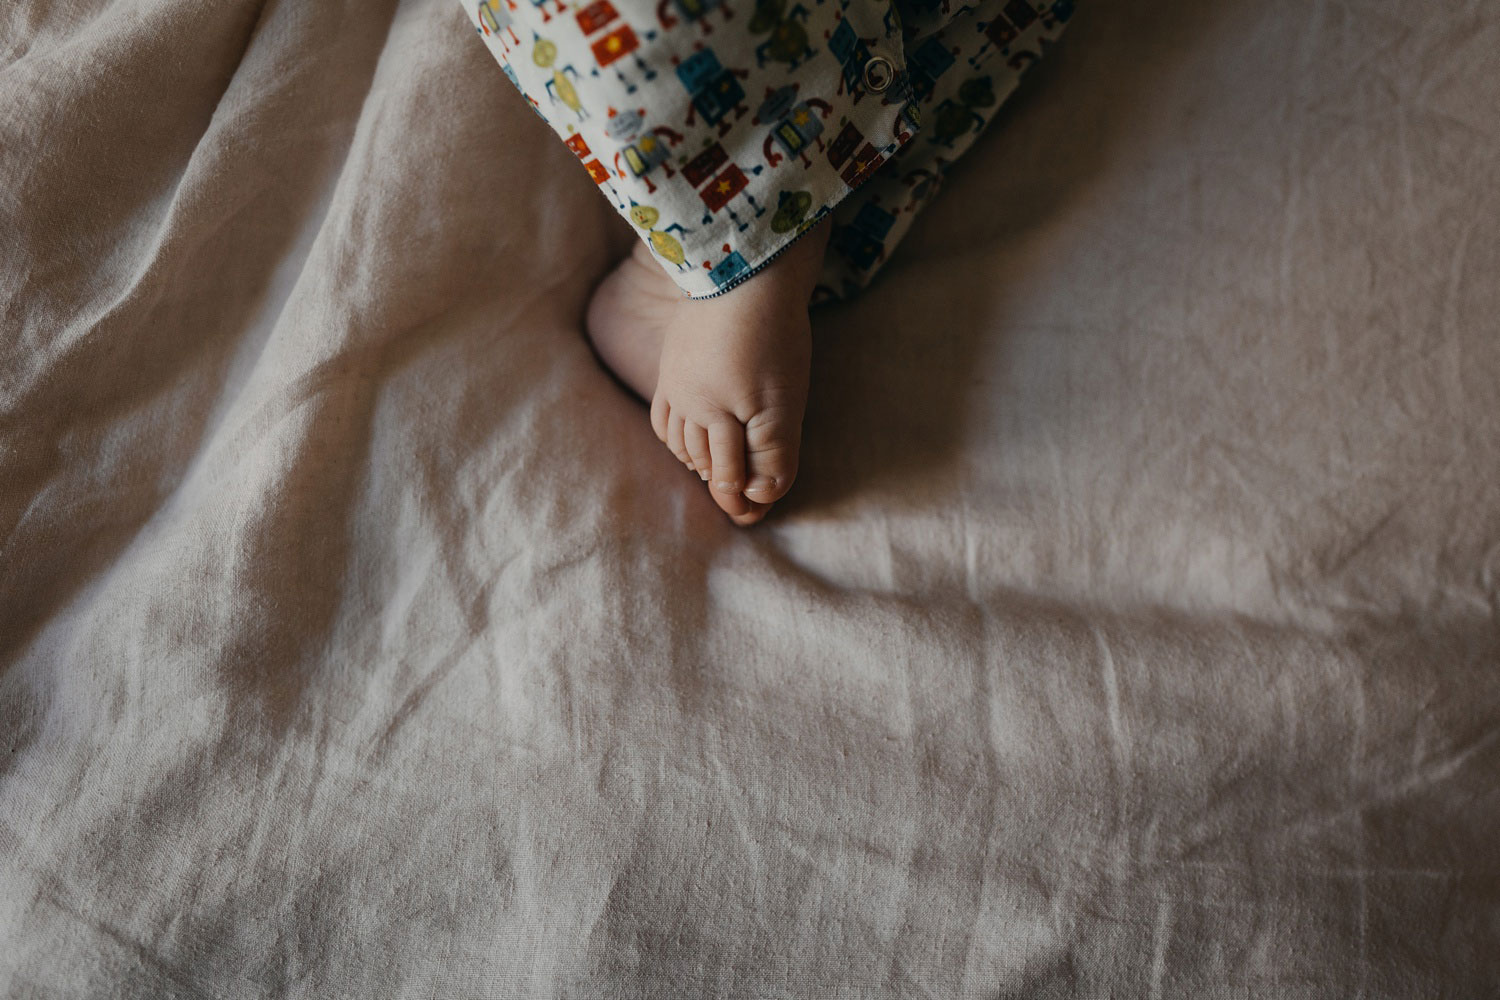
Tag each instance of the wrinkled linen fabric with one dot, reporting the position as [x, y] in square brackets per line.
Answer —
[1131, 631]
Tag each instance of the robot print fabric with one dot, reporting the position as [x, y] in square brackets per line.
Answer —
[724, 129]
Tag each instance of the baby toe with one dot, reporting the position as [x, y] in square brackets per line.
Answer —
[695, 437]
[726, 445]
[773, 441]
[675, 443]
[754, 513]
[741, 511]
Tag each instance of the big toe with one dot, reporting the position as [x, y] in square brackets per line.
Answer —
[728, 445]
[773, 441]
[741, 511]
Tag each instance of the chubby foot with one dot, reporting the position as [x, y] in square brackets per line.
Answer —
[726, 377]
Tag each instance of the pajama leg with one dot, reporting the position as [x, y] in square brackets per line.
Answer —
[961, 69]
[724, 129]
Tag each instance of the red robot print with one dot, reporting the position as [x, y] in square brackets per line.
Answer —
[718, 182]
[611, 39]
[858, 161]
[597, 171]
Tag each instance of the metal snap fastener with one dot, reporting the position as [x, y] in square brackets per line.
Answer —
[879, 72]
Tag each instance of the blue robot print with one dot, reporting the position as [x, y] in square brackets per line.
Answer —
[863, 240]
[715, 91]
[918, 10]
[1058, 14]
[852, 53]
[1003, 29]
[730, 269]
[926, 64]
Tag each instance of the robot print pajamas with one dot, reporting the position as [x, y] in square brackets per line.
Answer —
[723, 129]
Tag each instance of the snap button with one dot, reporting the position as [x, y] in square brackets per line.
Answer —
[879, 72]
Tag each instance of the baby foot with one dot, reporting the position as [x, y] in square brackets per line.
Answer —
[727, 377]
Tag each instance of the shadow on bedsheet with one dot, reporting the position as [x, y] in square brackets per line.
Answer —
[894, 370]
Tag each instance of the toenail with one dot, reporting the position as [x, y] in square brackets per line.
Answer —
[761, 486]
[723, 486]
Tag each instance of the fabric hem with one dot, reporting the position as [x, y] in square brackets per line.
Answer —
[825, 212]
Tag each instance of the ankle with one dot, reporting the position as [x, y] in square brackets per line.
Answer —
[793, 274]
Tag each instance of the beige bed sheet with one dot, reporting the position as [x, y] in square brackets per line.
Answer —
[1132, 631]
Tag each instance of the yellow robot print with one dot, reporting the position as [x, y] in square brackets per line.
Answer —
[662, 244]
[559, 88]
